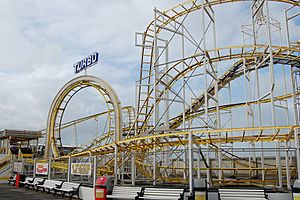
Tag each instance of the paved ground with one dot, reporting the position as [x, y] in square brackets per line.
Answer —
[9, 192]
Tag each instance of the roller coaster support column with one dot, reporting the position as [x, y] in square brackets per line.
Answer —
[133, 175]
[295, 87]
[133, 166]
[49, 168]
[210, 70]
[205, 74]
[288, 175]
[191, 160]
[122, 168]
[166, 102]
[183, 102]
[156, 105]
[166, 94]
[205, 77]
[94, 171]
[249, 112]
[272, 86]
[69, 169]
[286, 143]
[297, 151]
[260, 121]
[296, 117]
[116, 165]
[34, 168]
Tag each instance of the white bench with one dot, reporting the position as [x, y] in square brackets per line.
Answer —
[244, 194]
[12, 179]
[27, 180]
[124, 192]
[49, 185]
[162, 193]
[34, 183]
[68, 188]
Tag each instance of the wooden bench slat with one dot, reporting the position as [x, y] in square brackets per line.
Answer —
[124, 192]
[116, 196]
[244, 194]
[238, 198]
[162, 193]
[159, 198]
[164, 189]
[165, 195]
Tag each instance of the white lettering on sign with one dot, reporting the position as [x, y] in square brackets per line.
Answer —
[86, 62]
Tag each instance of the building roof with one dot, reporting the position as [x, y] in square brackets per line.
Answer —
[20, 135]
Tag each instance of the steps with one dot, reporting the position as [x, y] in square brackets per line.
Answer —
[6, 171]
[5, 166]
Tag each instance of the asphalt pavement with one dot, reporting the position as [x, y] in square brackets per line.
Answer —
[9, 192]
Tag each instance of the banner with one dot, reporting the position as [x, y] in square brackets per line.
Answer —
[81, 169]
[41, 168]
[18, 166]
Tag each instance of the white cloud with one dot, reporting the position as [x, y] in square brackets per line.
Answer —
[41, 40]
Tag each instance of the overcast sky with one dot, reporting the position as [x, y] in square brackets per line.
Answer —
[41, 40]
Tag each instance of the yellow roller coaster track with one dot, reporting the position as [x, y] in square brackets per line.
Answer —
[175, 138]
[93, 143]
[141, 137]
[166, 17]
[282, 55]
[62, 99]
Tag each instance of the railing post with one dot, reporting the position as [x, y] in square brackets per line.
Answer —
[94, 171]
[49, 168]
[69, 169]
[34, 167]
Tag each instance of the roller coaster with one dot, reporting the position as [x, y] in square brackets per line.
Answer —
[188, 122]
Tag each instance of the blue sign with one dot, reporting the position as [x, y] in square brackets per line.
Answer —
[86, 62]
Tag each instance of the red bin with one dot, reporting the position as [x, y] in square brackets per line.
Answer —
[17, 184]
[102, 187]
